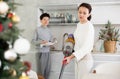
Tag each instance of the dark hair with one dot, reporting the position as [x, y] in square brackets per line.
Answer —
[88, 6]
[44, 15]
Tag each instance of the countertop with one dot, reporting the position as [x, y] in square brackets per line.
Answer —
[101, 76]
[93, 53]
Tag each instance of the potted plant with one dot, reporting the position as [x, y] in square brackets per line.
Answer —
[110, 35]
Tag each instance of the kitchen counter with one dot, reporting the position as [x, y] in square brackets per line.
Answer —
[57, 57]
[93, 53]
[100, 76]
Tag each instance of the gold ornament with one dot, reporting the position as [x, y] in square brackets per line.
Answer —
[15, 19]
[24, 76]
[14, 73]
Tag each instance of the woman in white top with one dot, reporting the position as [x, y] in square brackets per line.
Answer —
[84, 40]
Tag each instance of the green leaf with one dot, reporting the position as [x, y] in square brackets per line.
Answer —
[109, 33]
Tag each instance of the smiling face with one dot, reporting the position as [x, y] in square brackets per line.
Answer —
[83, 14]
[45, 21]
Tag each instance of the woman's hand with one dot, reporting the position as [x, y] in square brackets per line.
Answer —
[43, 42]
[67, 60]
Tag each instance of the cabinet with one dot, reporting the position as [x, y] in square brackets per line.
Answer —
[101, 57]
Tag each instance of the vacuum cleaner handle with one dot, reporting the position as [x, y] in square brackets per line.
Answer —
[62, 68]
[64, 40]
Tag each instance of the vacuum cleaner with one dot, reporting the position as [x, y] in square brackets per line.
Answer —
[67, 48]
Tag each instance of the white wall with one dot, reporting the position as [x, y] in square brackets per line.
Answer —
[28, 14]
[103, 12]
[46, 2]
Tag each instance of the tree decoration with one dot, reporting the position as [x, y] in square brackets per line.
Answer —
[10, 55]
[3, 7]
[15, 19]
[14, 73]
[24, 76]
[21, 46]
[0, 63]
[8, 29]
[10, 15]
[11, 66]
[28, 64]
[10, 25]
[1, 27]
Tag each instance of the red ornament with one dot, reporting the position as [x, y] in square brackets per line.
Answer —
[10, 25]
[10, 15]
[26, 63]
[1, 27]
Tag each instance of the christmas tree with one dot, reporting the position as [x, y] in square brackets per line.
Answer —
[11, 46]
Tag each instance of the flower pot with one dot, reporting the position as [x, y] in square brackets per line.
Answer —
[110, 46]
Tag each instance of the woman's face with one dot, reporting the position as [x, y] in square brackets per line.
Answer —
[45, 21]
[83, 14]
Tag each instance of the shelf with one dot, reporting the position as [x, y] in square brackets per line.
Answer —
[75, 24]
[59, 7]
[62, 24]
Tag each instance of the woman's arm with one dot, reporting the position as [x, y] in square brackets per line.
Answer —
[68, 59]
[35, 39]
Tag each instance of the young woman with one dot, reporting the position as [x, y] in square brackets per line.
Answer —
[84, 40]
